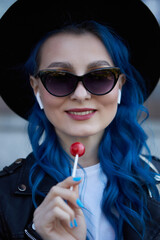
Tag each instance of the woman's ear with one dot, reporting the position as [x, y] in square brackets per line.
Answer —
[34, 84]
[122, 80]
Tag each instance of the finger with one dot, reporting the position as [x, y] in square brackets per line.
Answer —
[59, 202]
[76, 189]
[68, 182]
[59, 214]
[49, 218]
[66, 194]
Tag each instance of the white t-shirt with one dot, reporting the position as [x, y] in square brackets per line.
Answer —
[91, 192]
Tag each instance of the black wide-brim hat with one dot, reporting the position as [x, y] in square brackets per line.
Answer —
[26, 21]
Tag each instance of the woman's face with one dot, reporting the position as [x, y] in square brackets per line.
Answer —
[81, 114]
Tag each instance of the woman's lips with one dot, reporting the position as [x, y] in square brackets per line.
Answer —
[81, 114]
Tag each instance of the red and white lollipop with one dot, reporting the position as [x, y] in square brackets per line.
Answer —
[77, 149]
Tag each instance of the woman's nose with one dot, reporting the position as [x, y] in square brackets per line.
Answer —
[80, 93]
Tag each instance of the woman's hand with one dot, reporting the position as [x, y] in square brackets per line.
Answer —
[59, 216]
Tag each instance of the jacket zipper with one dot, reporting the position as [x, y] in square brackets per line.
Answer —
[29, 235]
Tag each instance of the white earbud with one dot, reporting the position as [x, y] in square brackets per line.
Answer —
[119, 96]
[39, 100]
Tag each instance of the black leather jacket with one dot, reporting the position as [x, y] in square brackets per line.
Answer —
[16, 208]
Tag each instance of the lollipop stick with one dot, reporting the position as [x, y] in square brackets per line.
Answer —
[74, 168]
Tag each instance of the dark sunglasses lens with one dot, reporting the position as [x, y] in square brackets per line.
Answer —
[58, 83]
[100, 82]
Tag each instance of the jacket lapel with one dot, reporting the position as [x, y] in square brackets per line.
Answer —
[152, 226]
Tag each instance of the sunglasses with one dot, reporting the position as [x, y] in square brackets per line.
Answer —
[62, 83]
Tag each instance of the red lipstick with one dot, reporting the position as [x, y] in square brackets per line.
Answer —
[81, 114]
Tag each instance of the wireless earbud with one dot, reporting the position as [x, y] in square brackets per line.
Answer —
[119, 96]
[39, 100]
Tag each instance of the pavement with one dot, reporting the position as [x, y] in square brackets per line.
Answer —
[14, 142]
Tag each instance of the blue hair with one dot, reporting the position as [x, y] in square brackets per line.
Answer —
[119, 150]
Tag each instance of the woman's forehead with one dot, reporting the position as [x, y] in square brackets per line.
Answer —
[65, 47]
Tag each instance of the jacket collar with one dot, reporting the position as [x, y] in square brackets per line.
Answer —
[22, 186]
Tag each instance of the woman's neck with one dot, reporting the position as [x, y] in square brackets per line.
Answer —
[91, 144]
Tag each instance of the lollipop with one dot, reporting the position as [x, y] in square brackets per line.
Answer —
[77, 149]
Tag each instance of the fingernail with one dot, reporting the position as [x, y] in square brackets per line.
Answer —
[71, 224]
[75, 223]
[76, 179]
[79, 203]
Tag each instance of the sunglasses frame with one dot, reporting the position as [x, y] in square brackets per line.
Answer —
[115, 70]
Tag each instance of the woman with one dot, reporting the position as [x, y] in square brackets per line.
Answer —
[87, 91]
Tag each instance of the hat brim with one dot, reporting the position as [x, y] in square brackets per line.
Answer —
[26, 21]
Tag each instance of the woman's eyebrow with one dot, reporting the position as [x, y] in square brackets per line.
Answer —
[60, 64]
[67, 65]
[98, 63]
